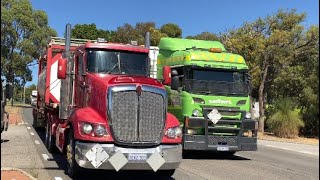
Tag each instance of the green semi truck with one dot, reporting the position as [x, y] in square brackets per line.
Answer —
[209, 92]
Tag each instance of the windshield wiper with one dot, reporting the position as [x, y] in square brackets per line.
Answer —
[205, 92]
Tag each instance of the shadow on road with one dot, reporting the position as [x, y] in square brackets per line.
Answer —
[4, 140]
[207, 155]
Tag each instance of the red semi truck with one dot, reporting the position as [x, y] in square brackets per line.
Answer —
[101, 110]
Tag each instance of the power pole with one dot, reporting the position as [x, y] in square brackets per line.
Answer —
[24, 94]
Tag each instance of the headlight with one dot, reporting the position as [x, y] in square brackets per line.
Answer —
[198, 100]
[99, 130]
[248, 115]
[174, 132]
[195, 112]
[86, 128]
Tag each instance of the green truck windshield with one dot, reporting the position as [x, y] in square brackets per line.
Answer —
[216, 82]
[117, 62]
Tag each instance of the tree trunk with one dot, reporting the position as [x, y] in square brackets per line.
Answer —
[261, 98]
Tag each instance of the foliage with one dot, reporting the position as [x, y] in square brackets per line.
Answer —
[205, 36]
[24, 34]
[273, 48]
[90, 31]
[286, 120]
[172, 30]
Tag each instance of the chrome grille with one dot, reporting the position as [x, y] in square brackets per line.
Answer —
[136, 117]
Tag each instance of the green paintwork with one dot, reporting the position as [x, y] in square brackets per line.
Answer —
[173, 53]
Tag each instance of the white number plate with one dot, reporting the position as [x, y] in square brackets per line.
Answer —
[137, 157]
[223, 148]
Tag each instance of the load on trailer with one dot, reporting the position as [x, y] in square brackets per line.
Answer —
[101, 110]
[209, 92]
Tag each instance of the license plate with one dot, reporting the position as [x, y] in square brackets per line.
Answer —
[137, 157]
[223, 148]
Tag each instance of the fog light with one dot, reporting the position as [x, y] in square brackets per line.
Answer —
[191, 131]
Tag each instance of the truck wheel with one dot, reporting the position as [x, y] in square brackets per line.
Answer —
[49, 139]
[73, 169]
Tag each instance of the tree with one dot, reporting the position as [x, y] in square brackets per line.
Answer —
[270, 46]
[90, 31]
[126, 34]
[204, 36]
[172, 30]
[286, 121]
[24, 34]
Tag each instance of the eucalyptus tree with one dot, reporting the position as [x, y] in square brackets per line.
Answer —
[24, 35]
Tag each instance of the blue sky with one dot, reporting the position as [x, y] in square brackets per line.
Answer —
[193, 17]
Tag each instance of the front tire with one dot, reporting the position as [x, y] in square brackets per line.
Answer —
[73, 169]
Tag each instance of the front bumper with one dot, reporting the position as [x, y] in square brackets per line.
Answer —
[219, 142]
[211, 143]
[112, 157]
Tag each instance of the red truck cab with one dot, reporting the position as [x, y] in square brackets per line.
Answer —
[117, 115]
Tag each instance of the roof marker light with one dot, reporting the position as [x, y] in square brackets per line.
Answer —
[215, 50]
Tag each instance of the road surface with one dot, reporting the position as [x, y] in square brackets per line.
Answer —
[273, 160]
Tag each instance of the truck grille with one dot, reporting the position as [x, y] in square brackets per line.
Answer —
[137, 117]
[230, 121]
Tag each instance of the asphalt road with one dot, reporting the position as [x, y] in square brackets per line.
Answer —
[273, 160]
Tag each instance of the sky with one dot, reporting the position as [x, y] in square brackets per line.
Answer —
[192, 16]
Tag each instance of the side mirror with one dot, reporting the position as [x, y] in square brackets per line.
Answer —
[175, 84]
[9, 90]
[62, 68]
[166, 73]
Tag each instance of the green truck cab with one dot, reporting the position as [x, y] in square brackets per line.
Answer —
[209, 92]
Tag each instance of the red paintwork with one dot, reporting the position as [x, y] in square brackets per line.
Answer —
[166, 75]
[172, 121]
[62, 68]
[91, 102]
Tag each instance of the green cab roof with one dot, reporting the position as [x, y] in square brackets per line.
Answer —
[177, 44]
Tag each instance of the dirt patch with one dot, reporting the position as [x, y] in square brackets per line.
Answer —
[15, 114]
[301, 140]
[13, 174]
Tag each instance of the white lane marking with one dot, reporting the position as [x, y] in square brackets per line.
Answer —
[37, 142]
[32, 134]
[45, 157]
[57, 178]
[28, 127]
[305, 152]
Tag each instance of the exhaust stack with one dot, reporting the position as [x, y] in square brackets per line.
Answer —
[66, 84]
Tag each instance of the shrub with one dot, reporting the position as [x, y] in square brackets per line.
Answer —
[286, 120]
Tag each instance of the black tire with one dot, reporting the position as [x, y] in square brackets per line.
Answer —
[166, 173]
[73, 169]
[49, 139]
[228, 154]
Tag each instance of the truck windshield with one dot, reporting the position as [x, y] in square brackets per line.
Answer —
[219, 82]
[117, 62]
